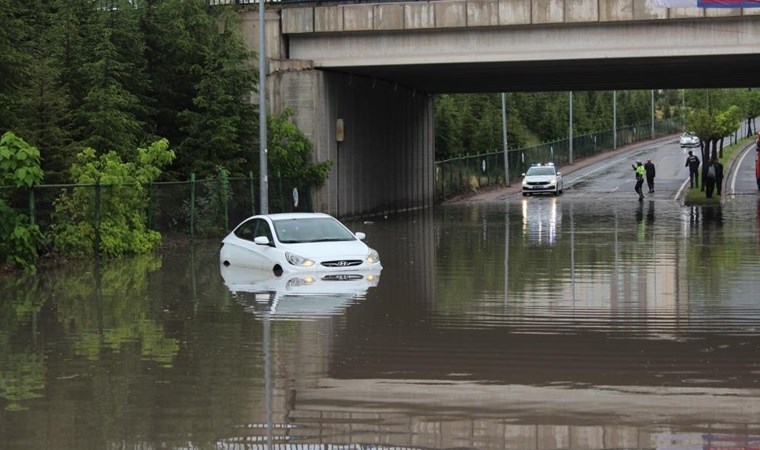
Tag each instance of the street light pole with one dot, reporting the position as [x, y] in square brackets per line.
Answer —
[614, 120]
[652, 94]
[263, 177]
[504, 134]
[571, 127]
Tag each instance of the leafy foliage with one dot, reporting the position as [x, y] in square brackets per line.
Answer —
[289, 152]
[210, 207]
[110, 215]
[20, 168]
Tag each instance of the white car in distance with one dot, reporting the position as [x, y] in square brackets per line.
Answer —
[689, 139]
[542, 179]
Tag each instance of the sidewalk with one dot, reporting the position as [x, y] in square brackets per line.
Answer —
[499, 193]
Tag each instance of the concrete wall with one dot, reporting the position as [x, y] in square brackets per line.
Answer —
[483, 13]
[385, 163]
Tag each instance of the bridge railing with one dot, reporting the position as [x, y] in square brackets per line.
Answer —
[458, 176]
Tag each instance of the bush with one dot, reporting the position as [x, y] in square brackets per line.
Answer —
[109, 214]
[20, 169]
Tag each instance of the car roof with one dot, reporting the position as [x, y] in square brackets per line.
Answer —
[295, 215]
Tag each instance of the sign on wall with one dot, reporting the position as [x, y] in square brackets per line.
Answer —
[707, 3]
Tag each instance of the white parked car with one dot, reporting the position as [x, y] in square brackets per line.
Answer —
[689, 139]
[542, 179]
[297, 242]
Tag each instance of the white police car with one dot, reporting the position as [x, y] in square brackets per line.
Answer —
[542, 179]
[689, 139]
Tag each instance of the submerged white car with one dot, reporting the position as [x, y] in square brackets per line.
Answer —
[542, 179]
[297, 242]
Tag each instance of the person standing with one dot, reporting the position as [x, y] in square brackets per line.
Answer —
[692, 162]
[649, 169]
[640, 171]
[718, 176]
[709, 180]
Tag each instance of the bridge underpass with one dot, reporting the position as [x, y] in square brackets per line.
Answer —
[378, 69]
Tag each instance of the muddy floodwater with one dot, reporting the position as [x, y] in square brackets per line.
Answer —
[538, 323]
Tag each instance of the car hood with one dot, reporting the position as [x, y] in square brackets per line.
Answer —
[534, 178]
[328, 250]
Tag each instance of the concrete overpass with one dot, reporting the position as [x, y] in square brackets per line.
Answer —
[378, 66]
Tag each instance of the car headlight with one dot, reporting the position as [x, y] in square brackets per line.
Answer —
[298, 260]
[373, 257]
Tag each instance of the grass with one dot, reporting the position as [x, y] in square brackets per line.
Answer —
[695, 196]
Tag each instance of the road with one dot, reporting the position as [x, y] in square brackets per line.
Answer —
[610, 176]
[741, 180]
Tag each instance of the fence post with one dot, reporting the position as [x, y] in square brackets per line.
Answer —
[223, 190]
[150, 205]
[97, 217]
[31, 206]
[253, 199]
[192, 206]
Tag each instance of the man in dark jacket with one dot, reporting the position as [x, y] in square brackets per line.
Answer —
[692, 162]
[649, 169]
[718, 176]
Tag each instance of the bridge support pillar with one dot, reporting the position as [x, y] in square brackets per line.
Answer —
[385, 162]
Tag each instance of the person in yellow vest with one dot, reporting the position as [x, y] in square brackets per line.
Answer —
[640, 171]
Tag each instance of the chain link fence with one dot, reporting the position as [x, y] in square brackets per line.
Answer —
[202, 208]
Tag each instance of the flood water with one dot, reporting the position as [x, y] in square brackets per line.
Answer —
[544, 323]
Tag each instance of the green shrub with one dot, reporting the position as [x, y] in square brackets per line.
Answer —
[20, 240]
[109, 215]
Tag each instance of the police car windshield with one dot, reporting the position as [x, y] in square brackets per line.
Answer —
[540, 171]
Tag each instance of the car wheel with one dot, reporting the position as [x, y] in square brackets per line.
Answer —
[525, 194]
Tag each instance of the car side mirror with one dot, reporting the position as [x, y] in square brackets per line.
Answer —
[522, 175]
[359, 235]
[261, 240]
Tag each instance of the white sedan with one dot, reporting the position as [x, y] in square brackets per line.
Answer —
[689, 139]
[297, 242]
[542, 178]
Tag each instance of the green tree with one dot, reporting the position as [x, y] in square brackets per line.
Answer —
[112, 111]
[202, 84]
[220, 125]
[290, 153]
[44, 114]
[13, 59]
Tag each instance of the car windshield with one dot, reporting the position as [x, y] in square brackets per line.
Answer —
[541, 171]
[321, 229]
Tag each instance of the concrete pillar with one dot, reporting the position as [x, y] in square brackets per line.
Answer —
[385, 163]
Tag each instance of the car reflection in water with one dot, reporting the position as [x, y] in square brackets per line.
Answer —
[297, 295]
[542, 218]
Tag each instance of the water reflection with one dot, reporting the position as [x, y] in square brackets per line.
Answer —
[541, 219]
[548, 324]
[299, 295]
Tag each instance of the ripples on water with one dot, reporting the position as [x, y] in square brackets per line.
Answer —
[539, 323]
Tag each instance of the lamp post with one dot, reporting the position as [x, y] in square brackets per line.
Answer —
[614, 120]
[652, 95]
[263, 177]
[571, 128]
[504, 134]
